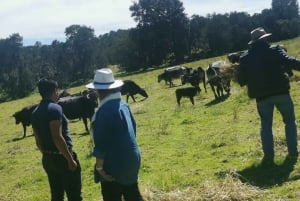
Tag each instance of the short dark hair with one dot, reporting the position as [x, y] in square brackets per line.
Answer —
[47, 87]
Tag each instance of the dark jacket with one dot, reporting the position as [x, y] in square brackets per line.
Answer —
[264, 70]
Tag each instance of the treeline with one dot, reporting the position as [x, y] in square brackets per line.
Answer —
[164, 35]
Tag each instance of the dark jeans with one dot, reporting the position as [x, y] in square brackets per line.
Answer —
[113, 191]
[61, 179]
[285, 106]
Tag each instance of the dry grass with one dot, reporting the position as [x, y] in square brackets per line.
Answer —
[231, 189]
[230, 71]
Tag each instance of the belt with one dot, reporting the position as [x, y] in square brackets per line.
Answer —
[52, 152]
[275, 94]
[56, 152]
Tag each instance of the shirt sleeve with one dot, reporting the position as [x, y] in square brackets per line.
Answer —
[102, 133]
[54, 112]
[288, 62]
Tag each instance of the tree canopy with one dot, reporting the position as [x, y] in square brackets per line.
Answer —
[164, 36]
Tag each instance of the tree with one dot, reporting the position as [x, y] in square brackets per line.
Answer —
[285, 9]
[218, 34]
[163, 28]
[80, 45]
[198, 42]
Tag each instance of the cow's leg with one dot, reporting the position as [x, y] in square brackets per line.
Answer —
[170, 83]
[221, 89]
[204, 84]
[178, 99]
[132, 96]
[182, 80]
[24, 130]
[213, 89]
[127, 97]
[227, 87]
[192, 99]
[84, 119]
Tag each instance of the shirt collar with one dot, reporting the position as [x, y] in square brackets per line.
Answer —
[113, 96]
[116, 95]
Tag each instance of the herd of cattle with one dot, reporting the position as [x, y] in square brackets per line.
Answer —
[218, 80]
[78, 106]
[82, 105]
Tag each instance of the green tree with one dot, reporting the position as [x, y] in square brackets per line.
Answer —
[218, 34]
[16, 77]
[285, 9]
[198, 41]
[81, 45]
[162, 30]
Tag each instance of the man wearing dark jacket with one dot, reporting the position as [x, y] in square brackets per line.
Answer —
[263, 69]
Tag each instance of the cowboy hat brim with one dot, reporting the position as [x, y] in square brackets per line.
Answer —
[262, 37]
[116, 84]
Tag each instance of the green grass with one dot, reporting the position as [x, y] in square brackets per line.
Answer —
[210, 151]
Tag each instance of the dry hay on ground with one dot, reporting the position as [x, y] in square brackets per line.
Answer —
[229, 190]
[230, 71]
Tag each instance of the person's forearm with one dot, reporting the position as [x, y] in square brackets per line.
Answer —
[37, 140]
[62, 147]
[99, 163]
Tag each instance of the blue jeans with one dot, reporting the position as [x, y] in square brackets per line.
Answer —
[113, 191]
[61, 179]
[285, 106]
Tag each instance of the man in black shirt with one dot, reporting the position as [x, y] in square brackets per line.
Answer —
[50, 127]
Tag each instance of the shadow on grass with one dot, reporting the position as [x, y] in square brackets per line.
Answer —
[19, 138]
[266, 176]
[218, 100]
[85, 133]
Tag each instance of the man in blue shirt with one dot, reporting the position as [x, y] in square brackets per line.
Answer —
[116, 150]
[50, 128]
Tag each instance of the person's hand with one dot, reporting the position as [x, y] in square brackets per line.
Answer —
[72, 165]
[105, 176]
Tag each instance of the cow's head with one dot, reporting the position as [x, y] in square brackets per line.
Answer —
[144, 93]
[16, 116]
[92, 98]
[159, 78]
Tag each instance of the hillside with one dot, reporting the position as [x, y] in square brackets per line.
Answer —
[209, 151]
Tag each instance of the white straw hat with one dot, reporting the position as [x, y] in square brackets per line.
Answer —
[104, 79]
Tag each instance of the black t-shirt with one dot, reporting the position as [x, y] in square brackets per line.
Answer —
[46, 112]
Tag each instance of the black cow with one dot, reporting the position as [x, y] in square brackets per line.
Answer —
[188, 92]
[130, 88]
[235, 57]
[76, 107]
[24, 116]
[171, 73]
[216, 79]
[194, 77]
[63, 94]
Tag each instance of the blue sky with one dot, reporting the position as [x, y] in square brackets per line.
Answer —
[46, 20]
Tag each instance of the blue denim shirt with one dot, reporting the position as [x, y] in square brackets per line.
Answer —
[114, 133]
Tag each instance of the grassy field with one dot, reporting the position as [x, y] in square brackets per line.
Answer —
[209, 151]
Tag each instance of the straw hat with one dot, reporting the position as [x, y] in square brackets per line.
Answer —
[104, 79]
